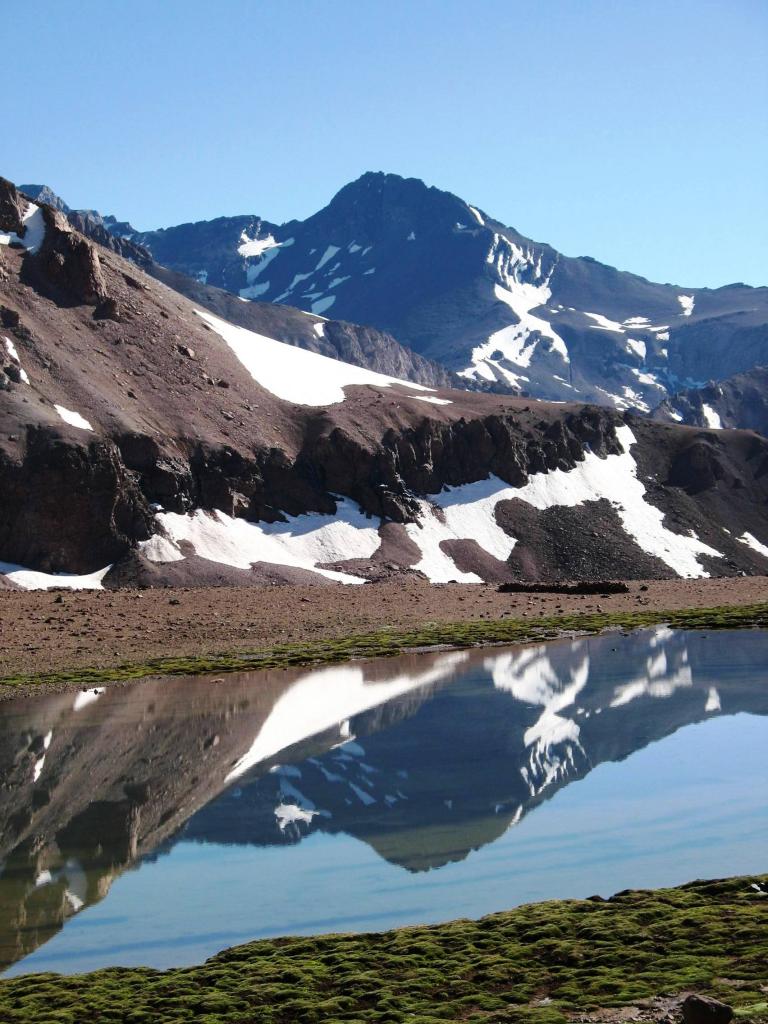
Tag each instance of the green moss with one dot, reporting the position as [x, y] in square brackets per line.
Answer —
[387, 643]
[536, 964]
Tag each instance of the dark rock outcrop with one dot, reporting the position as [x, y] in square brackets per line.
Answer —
[705, 1010]
[69, 263]
[12, 207]
[67, 506]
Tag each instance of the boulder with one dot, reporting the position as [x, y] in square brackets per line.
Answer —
[704, 1010]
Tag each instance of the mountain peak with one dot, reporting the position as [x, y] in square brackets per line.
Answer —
[44, 194]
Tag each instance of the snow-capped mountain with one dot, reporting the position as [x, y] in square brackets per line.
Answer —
[146, 438]
[462, 289]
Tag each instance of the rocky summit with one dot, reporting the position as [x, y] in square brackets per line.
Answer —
[148, 437]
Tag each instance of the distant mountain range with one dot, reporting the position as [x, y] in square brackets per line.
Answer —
[456, 286]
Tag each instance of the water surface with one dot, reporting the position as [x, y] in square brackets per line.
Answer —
[156, 823]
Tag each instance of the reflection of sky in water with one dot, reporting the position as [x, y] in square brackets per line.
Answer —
[676, 810]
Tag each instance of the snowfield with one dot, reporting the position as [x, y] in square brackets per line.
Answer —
[293, 374]
[302, 542]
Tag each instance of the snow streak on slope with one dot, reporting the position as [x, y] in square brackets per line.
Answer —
[754, 543]
[74, 419]
[521, 286]
[293, 374]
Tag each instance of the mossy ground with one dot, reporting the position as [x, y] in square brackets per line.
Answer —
[386, 643]
[537, 964]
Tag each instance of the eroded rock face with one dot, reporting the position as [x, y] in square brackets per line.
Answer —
[68, 263]
[12, 206]
[68, 507]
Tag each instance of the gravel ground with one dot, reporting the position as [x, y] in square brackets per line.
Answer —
[54, 630]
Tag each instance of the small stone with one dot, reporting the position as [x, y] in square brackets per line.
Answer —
[703, 1010]
[185, 350]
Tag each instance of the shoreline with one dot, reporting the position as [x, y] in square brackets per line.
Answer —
[388, 643]
[540, 963]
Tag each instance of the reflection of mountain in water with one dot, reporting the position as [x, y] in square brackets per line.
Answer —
[424, 757]
[93, 781]
[477, 756]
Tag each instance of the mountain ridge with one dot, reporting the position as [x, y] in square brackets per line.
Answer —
[460, 288]
[148, 439]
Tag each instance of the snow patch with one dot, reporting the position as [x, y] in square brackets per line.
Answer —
[32, 218]
[86, 697]
[477, 215]
[329, 253]
[713, 701]
[602, 323]
[711, 418]
[638, 347]
[74, 419]
[687, 302]
[11, 350]
[290, 814]
[322, 304]
[31, 579]
[255, 246]
[301, 542]
[754, 543]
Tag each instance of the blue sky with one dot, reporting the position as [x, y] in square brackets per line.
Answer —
[633, 131]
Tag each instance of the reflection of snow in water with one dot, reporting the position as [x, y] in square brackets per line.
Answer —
[322, 699]
[531, 677]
